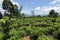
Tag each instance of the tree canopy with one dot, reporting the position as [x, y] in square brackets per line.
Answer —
[52, 13]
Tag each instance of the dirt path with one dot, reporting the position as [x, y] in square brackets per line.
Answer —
[51, 37]
[26, 38]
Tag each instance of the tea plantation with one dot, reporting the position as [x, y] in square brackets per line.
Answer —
[15, 25]
[38, 28]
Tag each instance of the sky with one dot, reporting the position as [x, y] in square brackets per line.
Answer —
[41, 7]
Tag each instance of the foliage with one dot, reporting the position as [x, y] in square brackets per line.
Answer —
[43, 37]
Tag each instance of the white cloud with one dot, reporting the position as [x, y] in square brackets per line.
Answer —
[37, 8]
[50, 8]
[55, 1]
[46, 10]
[56, 8]
[1, 3]
[1, 6]
[58, 0]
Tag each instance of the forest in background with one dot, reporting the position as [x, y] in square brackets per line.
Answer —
[15, 25]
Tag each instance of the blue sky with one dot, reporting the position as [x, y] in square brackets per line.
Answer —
[29, 5]
[41, 7]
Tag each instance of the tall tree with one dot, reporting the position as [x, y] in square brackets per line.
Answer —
[15, 10]
[8, 5]
[52, 13]
[32, 12]
[20, 9]
[1, 15]
[56, 14]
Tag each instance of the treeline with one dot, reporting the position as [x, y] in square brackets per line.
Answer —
[11, 10]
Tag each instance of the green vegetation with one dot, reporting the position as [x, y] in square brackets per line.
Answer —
[40, 27]
[15, 26]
